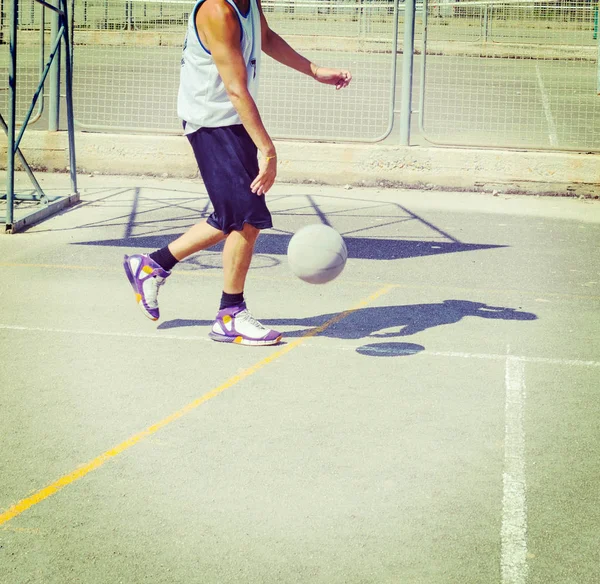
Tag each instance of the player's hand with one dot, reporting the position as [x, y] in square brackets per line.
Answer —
[338, 77]
[266, 175]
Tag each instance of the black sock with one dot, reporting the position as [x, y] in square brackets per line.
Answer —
[228, 300]
[164, 258]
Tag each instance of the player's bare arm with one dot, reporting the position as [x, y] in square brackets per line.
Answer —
[219, 31]
[274, 46]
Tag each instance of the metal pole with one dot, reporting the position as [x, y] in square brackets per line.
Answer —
[360, 19]
[486, 21]
[72, 31]
[597, 36]
[54, 89]
[40, 111]
[422, 93]
[53, 55]
[12, 115]
[129, 24]
[27, 168]
[1, 22]
[69, 89]
[407, 71]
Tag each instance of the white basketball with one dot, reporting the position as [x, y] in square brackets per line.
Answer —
[317, 254]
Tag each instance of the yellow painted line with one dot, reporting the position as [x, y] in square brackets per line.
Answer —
[97, 462]
[54, 266]
[32, 530]
[216, 273]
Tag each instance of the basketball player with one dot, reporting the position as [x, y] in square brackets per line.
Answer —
[220, 70]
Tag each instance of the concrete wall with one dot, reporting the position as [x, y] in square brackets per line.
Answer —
[339, 164]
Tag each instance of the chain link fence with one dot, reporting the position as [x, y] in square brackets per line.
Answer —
[493, 73]
[33, 44]
[511, 74]
[357, 35]
[128, 56]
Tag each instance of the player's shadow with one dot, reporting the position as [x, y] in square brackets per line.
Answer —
[383, 322]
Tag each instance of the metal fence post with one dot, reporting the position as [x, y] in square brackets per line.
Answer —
[407, 71]
[1, 22]
[69, 90]
[485, 23]
[54, 89]
[129, 22]
[12, 115]
[597, 36]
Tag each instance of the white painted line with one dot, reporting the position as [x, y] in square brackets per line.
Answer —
[548, 361]
[552, 134]
[544, 360]
[156, 336]
[514, 501]
[160, 335]
[491, 356]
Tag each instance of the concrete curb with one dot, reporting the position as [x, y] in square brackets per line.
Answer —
[508, 171]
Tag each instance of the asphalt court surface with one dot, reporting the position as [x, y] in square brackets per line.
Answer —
[431, 417]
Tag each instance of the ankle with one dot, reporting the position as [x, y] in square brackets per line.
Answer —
[164, 258]
[229, 300]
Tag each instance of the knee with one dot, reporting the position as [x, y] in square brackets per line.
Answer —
[249, 232]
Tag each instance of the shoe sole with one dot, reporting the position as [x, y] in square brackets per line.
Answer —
[138, 296]
[240, 340]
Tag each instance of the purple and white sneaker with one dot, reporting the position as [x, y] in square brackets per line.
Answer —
[146, 277]
[236, 325]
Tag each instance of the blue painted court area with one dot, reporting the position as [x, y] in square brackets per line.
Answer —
[430, 418]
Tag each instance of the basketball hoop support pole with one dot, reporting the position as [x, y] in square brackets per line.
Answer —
[47, 205]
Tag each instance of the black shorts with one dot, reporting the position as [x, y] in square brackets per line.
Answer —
[227, 159]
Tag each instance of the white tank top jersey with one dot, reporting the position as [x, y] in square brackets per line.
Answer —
[202, 101]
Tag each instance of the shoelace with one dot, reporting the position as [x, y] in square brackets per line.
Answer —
[152, 294]
[245, 316]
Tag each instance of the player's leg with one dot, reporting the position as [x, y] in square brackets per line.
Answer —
[200, 236]
[237, 256]
[229, 164]
[227, 159]
[234, 323]
[147, 273]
